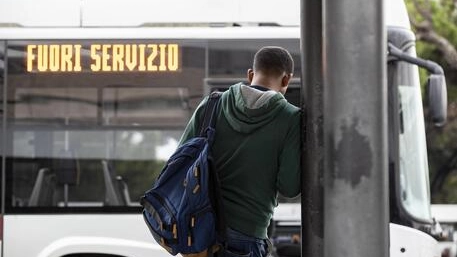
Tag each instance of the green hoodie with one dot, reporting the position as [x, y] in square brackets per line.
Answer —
[256, 152]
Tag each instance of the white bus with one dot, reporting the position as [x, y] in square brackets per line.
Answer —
[90, 113]
[89, 122]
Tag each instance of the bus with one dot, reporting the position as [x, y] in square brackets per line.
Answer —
[91, 110]
[89, 123]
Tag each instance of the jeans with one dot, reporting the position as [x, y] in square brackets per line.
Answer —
[241, 245]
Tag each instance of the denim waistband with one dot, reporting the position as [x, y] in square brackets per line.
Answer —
[231, 233]
[258, 247]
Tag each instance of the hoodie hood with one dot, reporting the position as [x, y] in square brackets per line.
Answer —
[247, 109]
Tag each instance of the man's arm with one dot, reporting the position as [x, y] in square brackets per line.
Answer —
[193, 127]
[288, 182]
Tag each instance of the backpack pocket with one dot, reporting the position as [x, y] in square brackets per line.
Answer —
[201, 229]
[160, 219]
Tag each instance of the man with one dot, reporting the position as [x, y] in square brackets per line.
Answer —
[256, 150]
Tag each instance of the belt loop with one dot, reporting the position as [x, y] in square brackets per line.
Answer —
[269, 247]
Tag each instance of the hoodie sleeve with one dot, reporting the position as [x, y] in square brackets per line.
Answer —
[194, 123]
[288, 181]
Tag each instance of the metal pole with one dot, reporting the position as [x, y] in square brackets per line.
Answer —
[356, 218]
[312, 122]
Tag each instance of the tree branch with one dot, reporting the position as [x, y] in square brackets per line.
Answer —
[425, 32]
[444, 46]
[426, 13]
[423, 26]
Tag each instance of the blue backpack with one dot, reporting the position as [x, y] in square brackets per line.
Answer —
[181, 209]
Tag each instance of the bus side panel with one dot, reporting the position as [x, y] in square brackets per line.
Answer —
[406, 242]
[124, 235]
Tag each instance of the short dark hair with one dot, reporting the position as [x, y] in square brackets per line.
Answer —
[273, 60]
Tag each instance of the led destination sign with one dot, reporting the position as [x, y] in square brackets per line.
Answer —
[103, 57]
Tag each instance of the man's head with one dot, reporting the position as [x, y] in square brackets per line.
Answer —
[273, 67]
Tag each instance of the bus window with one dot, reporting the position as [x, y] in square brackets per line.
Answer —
[232, 59]
[134, 157]
[91, 123]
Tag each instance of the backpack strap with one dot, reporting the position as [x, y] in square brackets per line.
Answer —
[210, 114]
[209, 121]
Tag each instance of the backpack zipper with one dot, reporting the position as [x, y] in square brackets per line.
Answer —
[196, 172]
[162, 201]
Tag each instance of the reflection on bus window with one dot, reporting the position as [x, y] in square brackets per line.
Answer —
[88, 168]
[126, 105]
[232, 58]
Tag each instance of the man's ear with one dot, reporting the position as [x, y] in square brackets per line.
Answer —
[250, 75]
[286, 79]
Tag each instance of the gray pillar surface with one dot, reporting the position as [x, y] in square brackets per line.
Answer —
[356, 205]
[312, 122]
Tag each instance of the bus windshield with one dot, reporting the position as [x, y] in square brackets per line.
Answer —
[414, 181]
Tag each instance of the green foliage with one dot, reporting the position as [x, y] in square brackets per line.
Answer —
[448, 194]
[444, 19]
[452, 93]
[443, 16]
[441, 141]
[425, 51]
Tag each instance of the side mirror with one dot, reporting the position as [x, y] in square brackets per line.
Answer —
[436, 84]
[437, 98]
